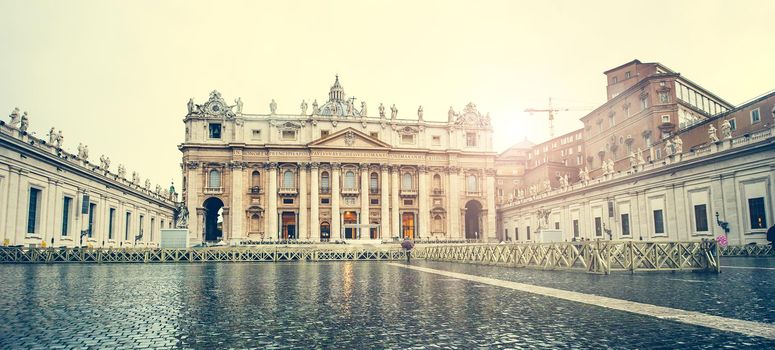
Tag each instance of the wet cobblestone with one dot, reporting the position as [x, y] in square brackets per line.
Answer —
[323, 305]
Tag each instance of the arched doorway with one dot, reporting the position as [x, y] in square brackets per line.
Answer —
[325, 231]
[473, 218]
[213, 219]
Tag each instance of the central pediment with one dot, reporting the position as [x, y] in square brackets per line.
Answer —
[348, 138]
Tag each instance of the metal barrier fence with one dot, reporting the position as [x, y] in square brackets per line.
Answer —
[749, 250]
[601, 257]
[219, 254]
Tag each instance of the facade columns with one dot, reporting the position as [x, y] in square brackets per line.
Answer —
[364, 217]
[384, 221]
[314, 224]
[455, 231]
[394, 203]
[423, 229]
[336, 232]
[191, 191]
[491, 234]
[271, 208]
[237, 191]
[303, 231]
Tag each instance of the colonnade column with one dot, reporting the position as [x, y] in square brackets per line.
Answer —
[271, 216]
[423, 230]
[383, 202]
[237, 212]
[454, 230]
[364, 217]
[394, 202]
[491, 224]
[192, 189]
[314, 221]
[303, 230]
[336, 232]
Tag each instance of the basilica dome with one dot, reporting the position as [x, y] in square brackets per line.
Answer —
[338, 104]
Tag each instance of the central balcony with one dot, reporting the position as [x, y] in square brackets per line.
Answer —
[408, 193]
[287, 191]
[349, 191]
[213, 190]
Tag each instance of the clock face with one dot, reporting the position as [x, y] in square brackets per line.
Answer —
[215, 107]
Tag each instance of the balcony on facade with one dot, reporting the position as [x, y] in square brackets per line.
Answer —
[438, 192]
[213, 190]
[374, 191]
[287, 191]
[408, 192]
[473, 193]
[255, 190]
[325, 190]
[349, 191]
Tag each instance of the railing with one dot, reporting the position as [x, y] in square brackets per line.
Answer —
[748, 250]
[255, 189]
[408, 193]
[349, 191]
[287, 191]
[601, 257]
[374, 191]
[325, 190]
[473, 193]
[213, 190]
[438, 192]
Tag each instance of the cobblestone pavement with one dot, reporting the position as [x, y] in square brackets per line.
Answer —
[345, 305]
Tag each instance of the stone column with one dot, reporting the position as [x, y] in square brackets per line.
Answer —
[424, 227]
[384, 219]
[303, 231]
[271, 206]
[364, 200]
[314, 221]
[237, 211]
[491, 233]
[394, 203]
[454, 230]
[336, 232]
[194, 184]
[15, 233]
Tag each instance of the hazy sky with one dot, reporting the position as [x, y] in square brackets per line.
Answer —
[116, 75]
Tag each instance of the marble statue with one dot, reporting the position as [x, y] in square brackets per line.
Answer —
[393, 111]
[584, 175]
[104, 162]
[486, 120]
[633, 161]
[83, 153]
[147, 184]
[562, 179]
[25, 123]
[135, 178]
[363, 109]
[303, 107]
[712, 137]
[381, 110]
[315, 108]
[157, 190]
[678, 145]
[238, 102]
[669, 149]
[419, 113]
[334, 109]
[520, 193]
[451, 115]
[190, 105]
[608, 167]
[182, 217]
[121, 171]
[639, 157]
[52, 137]
[350, 108]
[273, 107]
[15, 118]
[60, 139]
[726, 130]
[547, 186]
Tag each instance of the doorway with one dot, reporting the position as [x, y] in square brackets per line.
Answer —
[289, 225]
[473, 218]
[350, 218]
[407, 225]
[213, 219]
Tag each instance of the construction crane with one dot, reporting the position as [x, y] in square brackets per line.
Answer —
[552, 110]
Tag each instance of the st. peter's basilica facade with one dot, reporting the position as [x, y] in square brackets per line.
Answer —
[336, 171]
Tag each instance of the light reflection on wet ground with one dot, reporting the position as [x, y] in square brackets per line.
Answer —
[361, 305]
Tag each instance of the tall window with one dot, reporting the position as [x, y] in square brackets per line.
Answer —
[644, 102]
[528, 232]
[406, 182]
[111, 220]
[66, 205]
[437, 223]
[659, 223]
[436, 182]
[215, 179]
[288, 180]
[471, 185]
[471, 139]
[755, 116]
[140, 231]
[32, 210]
[757, 213]
[664, 97]
[127, 223]
[215, 130]
[701, 218]
[254, 223]
[576, 228]
[598, 226]
[374, 182]
[516, 233]
[153, 223]
[92, 208]
[349, 180]
[255, 179]
[625, 224]
[325, 182]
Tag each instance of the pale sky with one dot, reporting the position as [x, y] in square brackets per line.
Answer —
[116, 75]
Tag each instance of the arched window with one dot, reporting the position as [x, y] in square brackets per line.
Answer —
[471, 185]
[374, 182]
[254, 223]
[255, 179]
[215, 179]
[288, 180]
[437, 223]
[406, 182]
[349, 180]
[436, 182]
[325, 182]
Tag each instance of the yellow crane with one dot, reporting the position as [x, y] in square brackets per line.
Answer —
[552, 110]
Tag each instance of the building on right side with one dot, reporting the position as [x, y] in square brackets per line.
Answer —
[662, 159]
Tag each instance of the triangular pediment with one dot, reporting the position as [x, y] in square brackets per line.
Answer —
[348, 138]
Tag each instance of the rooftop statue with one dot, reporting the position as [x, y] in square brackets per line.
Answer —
[315, 108]
[157, 190]
[121, 171]
[350, 107]
[639, 156]
[669, 149]
[393, 111]
[60, 139]
[15, 118]
[726, 129]
[712, 137]
[52, 137]
[419, 113]
[238, 102]
[363, 109]
[135, 178]
[678, 145]
[190, 105]
[451, 115]
[273, 107]
[25, 123]
[381, 110]
[147, 184]
[104, 162]
[303, 107]
[83, 151]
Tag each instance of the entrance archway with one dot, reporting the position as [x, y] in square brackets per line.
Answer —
[350, 218]
[288, 219]
[325, 231]
[213, 219]
[407, 225]
[473, 218]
